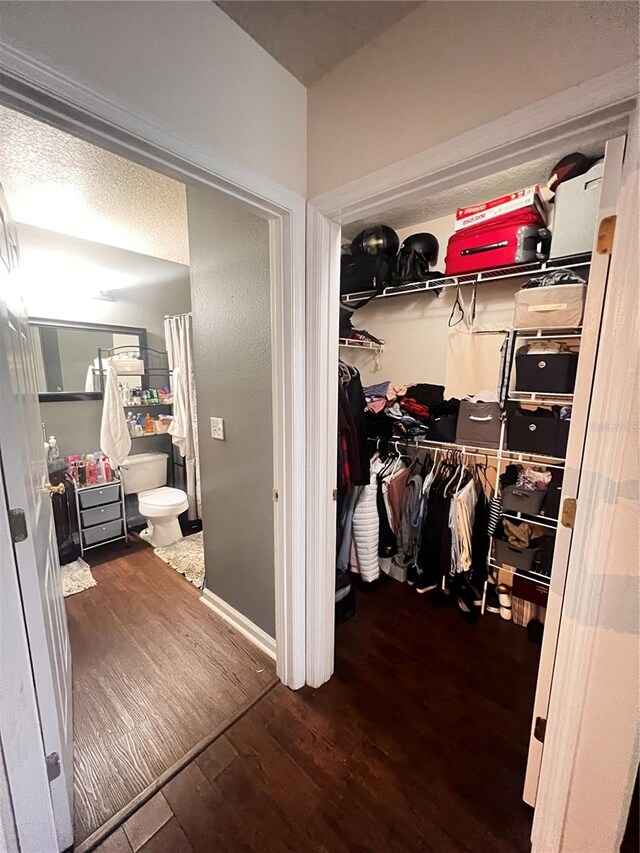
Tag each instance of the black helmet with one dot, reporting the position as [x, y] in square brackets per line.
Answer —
[377, 240]
[425, 245]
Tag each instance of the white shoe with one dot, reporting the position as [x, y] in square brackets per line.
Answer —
[504, 597]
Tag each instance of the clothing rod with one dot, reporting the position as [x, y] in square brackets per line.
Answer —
[470, 450]
[174, 316]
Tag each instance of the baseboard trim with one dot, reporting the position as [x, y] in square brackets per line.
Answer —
[245, 626]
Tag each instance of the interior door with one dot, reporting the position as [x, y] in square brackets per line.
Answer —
[26, 480]
[589, 343]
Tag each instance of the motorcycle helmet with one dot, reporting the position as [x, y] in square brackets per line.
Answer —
[425, 245]
[417, 253]
[376, 240]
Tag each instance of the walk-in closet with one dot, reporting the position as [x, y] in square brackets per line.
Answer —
[468, 340]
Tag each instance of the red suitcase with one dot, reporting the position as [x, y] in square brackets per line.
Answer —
[520, 237]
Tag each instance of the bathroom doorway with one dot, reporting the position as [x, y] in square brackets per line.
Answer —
[149, 303]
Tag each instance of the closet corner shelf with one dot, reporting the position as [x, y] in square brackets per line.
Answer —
[370, 345]
[543, 398]
[534, 577]
[437, 284]
[541, 520]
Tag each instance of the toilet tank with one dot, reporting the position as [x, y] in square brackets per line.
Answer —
[144, 471]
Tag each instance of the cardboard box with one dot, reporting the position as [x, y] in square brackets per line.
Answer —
[475, 214]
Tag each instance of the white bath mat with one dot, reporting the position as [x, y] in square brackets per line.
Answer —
[76, 577]
[186, 556]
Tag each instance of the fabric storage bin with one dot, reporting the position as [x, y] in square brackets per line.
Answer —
[103, 532]
[546, 372]
[479, 424]
[540, 432]
[519, 558]
[515, 499]
[95, 497]
[529, 589]
[101, 514]
[576, 213]
[556, 306]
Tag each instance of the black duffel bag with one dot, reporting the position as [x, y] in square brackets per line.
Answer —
[365, 274]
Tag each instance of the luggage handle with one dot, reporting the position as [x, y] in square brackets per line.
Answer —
[488, 247]
[478, 418]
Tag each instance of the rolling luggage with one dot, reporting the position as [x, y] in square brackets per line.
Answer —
[520, 237]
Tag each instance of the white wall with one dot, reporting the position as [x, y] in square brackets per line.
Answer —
[416, 329]
[184, 66]
[449, 67]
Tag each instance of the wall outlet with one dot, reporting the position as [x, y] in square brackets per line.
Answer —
[217, 428]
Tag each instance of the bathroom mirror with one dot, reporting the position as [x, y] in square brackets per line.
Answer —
[67, 356]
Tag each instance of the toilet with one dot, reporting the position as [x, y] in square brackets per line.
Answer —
[145, 474]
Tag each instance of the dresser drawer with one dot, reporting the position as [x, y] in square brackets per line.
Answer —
[102, 532]
[101, 514]
[102, 495]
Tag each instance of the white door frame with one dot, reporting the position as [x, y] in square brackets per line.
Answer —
[48, 96]
[604, 105]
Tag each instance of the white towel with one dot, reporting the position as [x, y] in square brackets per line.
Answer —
[115, 441]
[178, 425]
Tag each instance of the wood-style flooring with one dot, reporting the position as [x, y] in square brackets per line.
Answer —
[155, 672]
[418, 743]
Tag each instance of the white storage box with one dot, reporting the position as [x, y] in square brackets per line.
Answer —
[127, 366]
[576, 211]
[558, 306]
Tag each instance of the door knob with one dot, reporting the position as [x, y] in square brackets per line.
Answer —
[54, 490]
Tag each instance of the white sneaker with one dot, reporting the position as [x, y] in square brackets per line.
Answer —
[504, 597]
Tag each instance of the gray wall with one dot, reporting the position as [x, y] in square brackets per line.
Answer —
[230, 293]
[76, 425]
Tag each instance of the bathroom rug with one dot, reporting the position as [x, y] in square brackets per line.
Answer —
[186, 556]
[76, 577]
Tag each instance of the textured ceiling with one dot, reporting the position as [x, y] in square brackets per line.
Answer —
[310, 38]
[407, 214]
[55, 181]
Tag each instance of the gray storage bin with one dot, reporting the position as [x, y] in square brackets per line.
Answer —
[519, 558]
[479, 424]
[101, 495]
[101, 514]
[575, 218]
[102, 532]
[515, 499]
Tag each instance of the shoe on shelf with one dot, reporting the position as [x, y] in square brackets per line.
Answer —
[504, 598]
[365, 337]
[492, 604]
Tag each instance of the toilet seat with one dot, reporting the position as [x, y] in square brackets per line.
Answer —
[162, 502]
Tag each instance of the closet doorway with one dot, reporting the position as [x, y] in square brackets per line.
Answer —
[433, 381]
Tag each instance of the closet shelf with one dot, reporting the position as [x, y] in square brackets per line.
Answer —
[541, 520]
[347, 342]
[544, 398]
[535, 577]
[144, 405]
[500, 274]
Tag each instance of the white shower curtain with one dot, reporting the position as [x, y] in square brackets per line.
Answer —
[178, 333]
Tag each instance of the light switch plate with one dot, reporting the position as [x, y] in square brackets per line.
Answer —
[217, 428]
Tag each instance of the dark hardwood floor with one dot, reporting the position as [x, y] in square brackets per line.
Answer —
[155, 672]
[418, 743]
